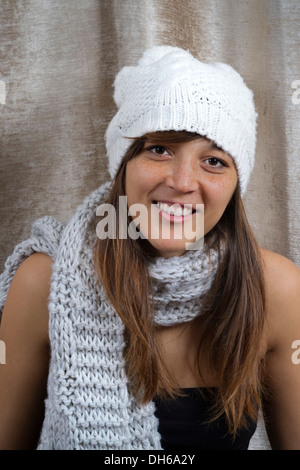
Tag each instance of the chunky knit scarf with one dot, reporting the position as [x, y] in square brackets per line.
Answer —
[89, 403]
[179, 283]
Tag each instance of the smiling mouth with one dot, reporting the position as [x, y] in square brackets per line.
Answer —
[175, 209]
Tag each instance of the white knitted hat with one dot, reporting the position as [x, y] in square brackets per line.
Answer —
[169, 89]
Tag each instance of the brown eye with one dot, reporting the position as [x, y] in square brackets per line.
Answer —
[158, 149]
[215, 162]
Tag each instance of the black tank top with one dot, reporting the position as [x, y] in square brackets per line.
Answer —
[183, 423]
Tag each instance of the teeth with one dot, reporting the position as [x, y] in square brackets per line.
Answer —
[175, 209]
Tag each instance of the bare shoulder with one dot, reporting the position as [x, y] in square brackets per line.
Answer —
[27, 299]
[35, 270]
[24, 331]
[282, 278]
[281, 274]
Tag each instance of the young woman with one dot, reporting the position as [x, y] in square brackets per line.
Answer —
[130, 332]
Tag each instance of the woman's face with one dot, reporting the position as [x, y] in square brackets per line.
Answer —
[161, 179]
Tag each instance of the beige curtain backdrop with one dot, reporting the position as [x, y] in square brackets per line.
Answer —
[58, 59]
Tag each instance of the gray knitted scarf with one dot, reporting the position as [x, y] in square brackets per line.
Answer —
[179, 283]
[89, 403]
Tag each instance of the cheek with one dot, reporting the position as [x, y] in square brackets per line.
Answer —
[222, 188]
[141, 178]
[136, 182]
[217, 197]
[218, 192]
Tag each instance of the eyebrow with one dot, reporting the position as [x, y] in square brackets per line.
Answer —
[214, 146]
[210, 143]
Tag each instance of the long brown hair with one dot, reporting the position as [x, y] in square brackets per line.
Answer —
[232, 319]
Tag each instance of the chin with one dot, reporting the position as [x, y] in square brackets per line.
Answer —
[167, 250]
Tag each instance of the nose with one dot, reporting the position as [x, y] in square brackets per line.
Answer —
[182, 176]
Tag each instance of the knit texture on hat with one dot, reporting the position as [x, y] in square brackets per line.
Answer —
[169, 89]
